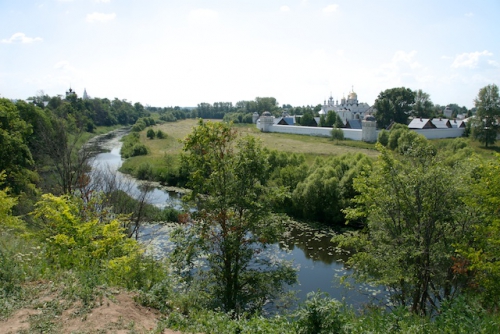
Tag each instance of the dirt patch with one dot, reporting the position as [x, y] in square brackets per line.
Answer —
[117, 314]
[18, 321]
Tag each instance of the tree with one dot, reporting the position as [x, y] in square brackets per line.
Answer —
[160, 134]
[485, 127]
[328, 189]
[337, 134]
[331, 118]
[394, 105]
[415, 217]
[307, 119]
[266, 104]
[15, 155]
[151, 133]
[61, 142]
[233, 224]
[423, 106]
[482, 257]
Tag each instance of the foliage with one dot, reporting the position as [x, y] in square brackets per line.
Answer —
[307, 119]
[383, 137]
[15, 155]
[328, 188]
[414, 217]
[151, 134]
[483, 256]
[337, 134]
[161, 135]
[7, 202]
[393, 105]
[204, 321]
[10, 272]
[319, 315]
[485, 124]
[78, 241]
[423, 106]
[132, 146]
[233, 225]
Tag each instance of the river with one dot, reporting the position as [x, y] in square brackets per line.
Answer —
[320, 267]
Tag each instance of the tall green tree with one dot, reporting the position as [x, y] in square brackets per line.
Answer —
[485, 126]
[394, 105]
[415, 217]
[423, 106]
[233, 224]
[15, 155]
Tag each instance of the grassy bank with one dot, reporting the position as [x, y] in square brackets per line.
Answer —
[163, 154]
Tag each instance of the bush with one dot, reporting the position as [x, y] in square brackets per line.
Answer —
[320, 314]
[132, 146]
[151, 134]
[168, 117]
[383, 137]
[139, 126]
[158, 297]
[337, 134]
[139, 149]
[161, 135]
[144, 171]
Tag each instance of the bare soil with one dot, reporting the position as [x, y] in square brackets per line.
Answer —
[118, 314]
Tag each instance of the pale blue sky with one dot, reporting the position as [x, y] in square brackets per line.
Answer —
[173, 52]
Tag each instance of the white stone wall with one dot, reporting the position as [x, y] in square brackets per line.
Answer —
[441, 133]
[356, 134]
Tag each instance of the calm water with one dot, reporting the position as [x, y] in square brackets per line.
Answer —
[311, 251]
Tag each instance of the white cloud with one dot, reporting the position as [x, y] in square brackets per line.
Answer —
[470, 14]
[64, 65]
[474, 60]
[20, 37]
[406, 57]
[202, 15]
[330, 9]
[284, 8]
[100, 17]
[403, 69]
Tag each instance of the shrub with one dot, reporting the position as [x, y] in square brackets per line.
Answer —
[383, 137]
[139, 126]
[337, 134]
[144, 171]
[161, 135]
[139, 149]
[320, 314]
[151, 134]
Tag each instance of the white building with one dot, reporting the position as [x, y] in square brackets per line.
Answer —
[347, 109]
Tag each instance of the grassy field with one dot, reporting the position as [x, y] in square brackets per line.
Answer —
[166, 151]
[311, 146]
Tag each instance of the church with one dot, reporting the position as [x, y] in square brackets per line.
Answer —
[348, 109]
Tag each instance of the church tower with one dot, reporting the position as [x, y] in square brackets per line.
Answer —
[85, 95]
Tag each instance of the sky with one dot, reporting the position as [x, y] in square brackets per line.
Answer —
[185, 52]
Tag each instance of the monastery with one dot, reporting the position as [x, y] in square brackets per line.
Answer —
[348, 109]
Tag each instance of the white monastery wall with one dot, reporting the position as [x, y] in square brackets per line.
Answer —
[441, 133]
[356, 134]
